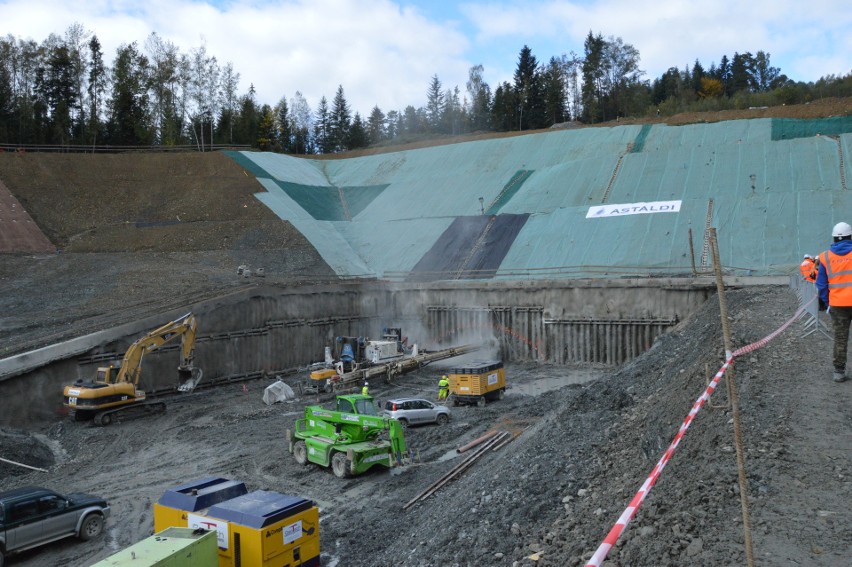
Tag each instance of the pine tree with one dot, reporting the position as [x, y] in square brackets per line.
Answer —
[434, 104]
[283, 133]
[322, 128]
[340, 122]
[376, 128]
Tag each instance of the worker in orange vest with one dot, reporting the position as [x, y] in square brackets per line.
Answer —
[834, 285]
[809, 268]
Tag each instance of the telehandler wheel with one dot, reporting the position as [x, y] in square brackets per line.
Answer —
[481, 401]
[502, 393]
[300, 452]
[340, 465]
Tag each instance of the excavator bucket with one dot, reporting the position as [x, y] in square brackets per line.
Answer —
[189, 378]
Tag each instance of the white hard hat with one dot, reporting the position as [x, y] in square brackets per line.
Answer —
[366, 383]
[841, 229]
[808, 257]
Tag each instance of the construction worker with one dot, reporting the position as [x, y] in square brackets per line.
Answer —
[834, 286]
[365, 390]
[809, 268]
[443, 388]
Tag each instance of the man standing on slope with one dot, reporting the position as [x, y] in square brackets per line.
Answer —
[834, 284]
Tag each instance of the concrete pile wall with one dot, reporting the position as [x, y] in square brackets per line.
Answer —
[266, 331]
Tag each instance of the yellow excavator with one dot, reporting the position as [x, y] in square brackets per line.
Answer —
[114, 392]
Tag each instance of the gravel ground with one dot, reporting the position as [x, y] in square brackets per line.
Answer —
[549, 497]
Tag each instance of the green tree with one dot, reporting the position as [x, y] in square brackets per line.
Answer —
[765, 75]
[555, 107]
[357, 134]
[56, 85]
[480, 99]
[742, 79]
[340, 121]
[593, 78]
[283, 126]
[529, 94]
[247, 120]
[165, 66]
[266, 133]
[300, 124]
[128, 122]
[96, 88]
[322, 128]
[376, 127]
[393, 123]
[504, 109]
[434, 104]
[229, 83]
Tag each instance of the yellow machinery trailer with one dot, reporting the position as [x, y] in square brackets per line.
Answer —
[260, 528]
[476, 382]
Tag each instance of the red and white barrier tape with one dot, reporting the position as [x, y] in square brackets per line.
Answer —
[633, 507]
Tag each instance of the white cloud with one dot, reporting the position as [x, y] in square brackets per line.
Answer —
[384, 52]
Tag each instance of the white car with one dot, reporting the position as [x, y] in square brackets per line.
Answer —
[414, 411]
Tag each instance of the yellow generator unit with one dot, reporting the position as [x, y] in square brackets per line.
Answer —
[260, 528]
[477, 382]
[173, 507]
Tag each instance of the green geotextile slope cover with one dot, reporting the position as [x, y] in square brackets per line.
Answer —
[588, 202]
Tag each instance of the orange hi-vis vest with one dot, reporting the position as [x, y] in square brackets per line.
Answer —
[839, 271]
[809, 269]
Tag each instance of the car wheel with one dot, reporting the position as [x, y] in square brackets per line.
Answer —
[403, 422]
[340, 465]
[300, 452]
[442, 419]
[92, 527]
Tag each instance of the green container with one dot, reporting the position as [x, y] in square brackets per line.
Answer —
[172, 547]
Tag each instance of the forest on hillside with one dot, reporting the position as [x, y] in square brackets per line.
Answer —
[63, 93]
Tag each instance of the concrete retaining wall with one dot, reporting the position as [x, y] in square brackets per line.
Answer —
[267, 330]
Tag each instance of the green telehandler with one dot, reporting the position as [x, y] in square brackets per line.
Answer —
[349, 438]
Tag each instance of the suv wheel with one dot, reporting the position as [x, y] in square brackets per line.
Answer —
[442, 419]
[92, 527]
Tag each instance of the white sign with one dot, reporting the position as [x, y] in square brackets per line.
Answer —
[605, 211]
[193, 521]
[292, 532]
[492, 379]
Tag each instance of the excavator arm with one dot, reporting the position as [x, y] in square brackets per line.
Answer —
[184, 327]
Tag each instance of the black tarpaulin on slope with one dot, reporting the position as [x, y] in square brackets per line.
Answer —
[471, 247]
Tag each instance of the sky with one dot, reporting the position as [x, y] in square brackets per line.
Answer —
[384, 53]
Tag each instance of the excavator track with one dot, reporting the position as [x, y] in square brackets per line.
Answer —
[131, 411]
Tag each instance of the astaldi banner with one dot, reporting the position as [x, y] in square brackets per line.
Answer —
[605, 211]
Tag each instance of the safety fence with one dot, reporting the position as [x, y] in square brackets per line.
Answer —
[631, 510]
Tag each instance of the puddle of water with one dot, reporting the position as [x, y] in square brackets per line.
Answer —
[449, 455]
[543, 385]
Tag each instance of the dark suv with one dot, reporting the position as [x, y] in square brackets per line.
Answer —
[31, 516]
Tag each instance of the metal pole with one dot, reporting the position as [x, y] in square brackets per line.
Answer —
[692, 253]
[732, 396]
